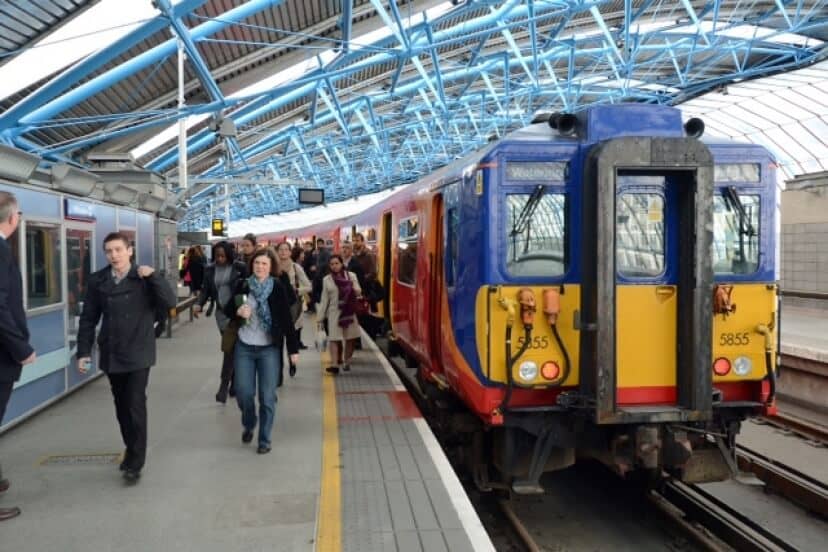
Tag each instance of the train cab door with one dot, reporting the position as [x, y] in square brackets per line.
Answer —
[646, 248]
[647, 234]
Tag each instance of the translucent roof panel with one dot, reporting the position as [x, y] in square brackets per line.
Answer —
[787, 113]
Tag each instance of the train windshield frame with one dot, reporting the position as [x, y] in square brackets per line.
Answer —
[535, 230]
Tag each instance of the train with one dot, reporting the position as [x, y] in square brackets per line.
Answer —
[595, 285]
[66, 213]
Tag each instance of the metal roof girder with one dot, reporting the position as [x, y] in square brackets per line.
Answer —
[333, 106]
[135, 64]
[203, 72]
[695, 18]
[77, 72]
[518, 55]
[435, 63]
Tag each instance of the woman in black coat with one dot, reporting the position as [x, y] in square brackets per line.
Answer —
[220, 280]
[261, 308]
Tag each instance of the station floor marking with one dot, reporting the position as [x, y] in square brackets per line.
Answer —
[329, 521]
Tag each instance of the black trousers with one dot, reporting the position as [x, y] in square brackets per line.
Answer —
[5, 394]
[130, 393]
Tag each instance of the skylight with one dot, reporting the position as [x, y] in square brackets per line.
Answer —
[787, 113]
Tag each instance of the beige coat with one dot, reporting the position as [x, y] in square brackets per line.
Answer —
[328, 309]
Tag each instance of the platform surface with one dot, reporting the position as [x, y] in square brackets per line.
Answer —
[386, 484]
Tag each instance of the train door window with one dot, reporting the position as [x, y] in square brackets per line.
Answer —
[43, 264]
[736, 221]
[407, 251]
[639, 234]
[536, 241]
[452, 245]
[79, 251]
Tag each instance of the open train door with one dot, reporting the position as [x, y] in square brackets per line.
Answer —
[648, 278]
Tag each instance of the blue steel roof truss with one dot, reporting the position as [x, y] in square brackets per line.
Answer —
[379, 115]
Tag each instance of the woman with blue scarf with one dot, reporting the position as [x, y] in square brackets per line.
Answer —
[261, 310]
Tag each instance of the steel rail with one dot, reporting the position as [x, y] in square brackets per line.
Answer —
[809, 492]
[724, 522]
[518, 526]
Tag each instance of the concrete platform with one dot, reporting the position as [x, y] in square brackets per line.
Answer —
[805, 333]
[366, 475]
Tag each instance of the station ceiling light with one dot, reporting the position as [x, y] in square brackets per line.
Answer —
[17, 165]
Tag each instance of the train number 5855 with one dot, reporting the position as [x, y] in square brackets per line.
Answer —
[734, 339]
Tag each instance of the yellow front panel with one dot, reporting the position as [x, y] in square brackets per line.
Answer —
[491, 337]
[735, 335]
[645, 336]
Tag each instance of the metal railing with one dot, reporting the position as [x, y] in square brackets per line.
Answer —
[804, 294]
[187, 304]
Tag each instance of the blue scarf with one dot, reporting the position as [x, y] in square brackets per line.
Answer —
[261, 291]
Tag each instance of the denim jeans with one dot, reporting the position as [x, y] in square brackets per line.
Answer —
[252, 362]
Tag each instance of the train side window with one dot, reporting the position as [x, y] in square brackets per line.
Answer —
[407, 251]
[452, 245]
[736, 237]
[43, 262]
[536, 245]
[639, 235]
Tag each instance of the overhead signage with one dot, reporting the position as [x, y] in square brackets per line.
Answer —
[78, 210]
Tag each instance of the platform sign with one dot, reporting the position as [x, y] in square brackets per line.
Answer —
[218, 227]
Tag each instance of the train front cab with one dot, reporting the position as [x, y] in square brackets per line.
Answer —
[660, 362]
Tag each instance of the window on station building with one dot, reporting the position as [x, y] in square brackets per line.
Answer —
[736, 223]
[536, 241]
[408, 233]
[639, 235]
[43, 262]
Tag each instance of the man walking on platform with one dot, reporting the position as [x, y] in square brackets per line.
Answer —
[15, 351]
[127, 297]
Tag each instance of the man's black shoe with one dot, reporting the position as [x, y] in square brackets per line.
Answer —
[302, 346]
[247, 436]
[131, 475]
[332, 369]
[263, 449]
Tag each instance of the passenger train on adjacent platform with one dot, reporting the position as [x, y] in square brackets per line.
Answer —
[601, 284]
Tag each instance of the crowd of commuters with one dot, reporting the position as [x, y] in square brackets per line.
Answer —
[258, 294]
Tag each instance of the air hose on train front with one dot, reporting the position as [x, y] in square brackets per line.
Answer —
[767, 332]
[509, 306]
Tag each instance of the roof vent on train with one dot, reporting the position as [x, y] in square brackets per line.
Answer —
[565, 123]
[694, 128]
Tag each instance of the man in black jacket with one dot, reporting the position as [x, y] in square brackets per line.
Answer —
[127, 297]
[15, 350]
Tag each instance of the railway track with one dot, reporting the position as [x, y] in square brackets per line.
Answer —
[703, 519]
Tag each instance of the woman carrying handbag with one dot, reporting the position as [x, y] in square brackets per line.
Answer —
[338, 307]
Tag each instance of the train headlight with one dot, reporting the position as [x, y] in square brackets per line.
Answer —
[742, 366]
[528, 370]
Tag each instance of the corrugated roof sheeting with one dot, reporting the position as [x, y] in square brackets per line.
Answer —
[23, 22]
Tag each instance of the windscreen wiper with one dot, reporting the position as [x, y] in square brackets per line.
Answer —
[734, 201]
[521, 222]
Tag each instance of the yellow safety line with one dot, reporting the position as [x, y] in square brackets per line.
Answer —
[329, 524]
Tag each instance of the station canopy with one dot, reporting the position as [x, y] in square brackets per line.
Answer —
[359, 96]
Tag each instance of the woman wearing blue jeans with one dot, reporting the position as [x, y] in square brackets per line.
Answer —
[262, 304]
